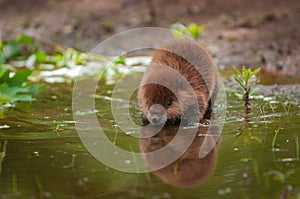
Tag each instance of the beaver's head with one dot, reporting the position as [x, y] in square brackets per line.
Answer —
[167, 99]
[158, 103]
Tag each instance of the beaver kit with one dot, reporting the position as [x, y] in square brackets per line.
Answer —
[180, 84]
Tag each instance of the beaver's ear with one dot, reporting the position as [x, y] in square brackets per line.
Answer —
[179, 84]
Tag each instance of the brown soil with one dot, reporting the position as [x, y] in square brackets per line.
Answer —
[239, 32]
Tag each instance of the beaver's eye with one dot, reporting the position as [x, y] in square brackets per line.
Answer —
[169, 103]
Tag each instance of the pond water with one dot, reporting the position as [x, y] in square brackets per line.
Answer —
[42, 156]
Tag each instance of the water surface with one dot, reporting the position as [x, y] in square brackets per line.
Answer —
[41, 155]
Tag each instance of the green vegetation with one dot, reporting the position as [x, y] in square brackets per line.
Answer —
[192, 30]
[274, 138]
[14, 83]
[3, 146]
[297, 146]
[26, 61]
[24, 56]
[14, 184]
[246, 78]
[27, 52]
[15, 88]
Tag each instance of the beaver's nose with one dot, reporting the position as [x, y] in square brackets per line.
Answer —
[155, 118]
[156, 114]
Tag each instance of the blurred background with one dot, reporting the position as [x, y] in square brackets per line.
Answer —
[237, 31]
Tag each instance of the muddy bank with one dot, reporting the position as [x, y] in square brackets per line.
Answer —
[289, 92]
[251, 33]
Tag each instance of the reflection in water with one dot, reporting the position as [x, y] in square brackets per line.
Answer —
[188, 170]
[3, 145]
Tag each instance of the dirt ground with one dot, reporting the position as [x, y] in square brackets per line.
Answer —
[239, 32]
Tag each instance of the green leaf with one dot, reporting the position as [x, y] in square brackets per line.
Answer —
[240, 81]
[11, 49]
[120, 60]
[4, 99]
[19, 78]
[40, 57]
[247, 74]
[195, 30]
[256, 71]
[24, 39]
[237, 71]
[5, 77]
[237, 91]
[253, 91]
[32, 89]
[23, 98]
[2, 58]
[17, 93]
[8, 91]
[59, 57]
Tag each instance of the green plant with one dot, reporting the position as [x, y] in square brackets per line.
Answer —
[14, 83]
[297, 146]
[263, 113]
[14, 87]
[193, 30]
[21, 46]
[28, 52]
[275, 138]
[3, 145]
[246, 78]
[120, 60]
[286, 109]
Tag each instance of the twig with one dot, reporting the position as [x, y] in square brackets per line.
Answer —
[47, 42]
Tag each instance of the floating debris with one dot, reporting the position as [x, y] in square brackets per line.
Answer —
[86, 112]
[288, 160]
[4, 127]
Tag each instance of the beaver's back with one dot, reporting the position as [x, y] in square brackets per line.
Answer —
[192, 61]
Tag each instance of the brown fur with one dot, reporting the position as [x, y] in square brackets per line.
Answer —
[180, 78]
[188, 171]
